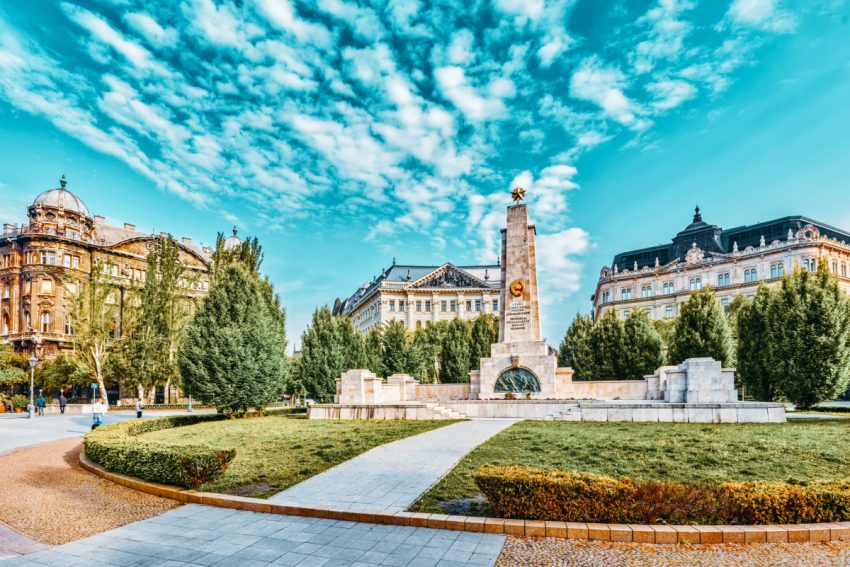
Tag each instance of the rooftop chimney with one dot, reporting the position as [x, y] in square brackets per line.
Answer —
[207, 249]
[186, 240]
[99, 219]
[130, 227]
[9, 228]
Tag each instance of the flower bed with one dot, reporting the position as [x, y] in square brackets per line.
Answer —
[118, 449]
[539, 494]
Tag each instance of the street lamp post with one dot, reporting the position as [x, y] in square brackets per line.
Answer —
[33, 361]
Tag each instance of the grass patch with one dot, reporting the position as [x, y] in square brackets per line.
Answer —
[276, 452]
[797, 452]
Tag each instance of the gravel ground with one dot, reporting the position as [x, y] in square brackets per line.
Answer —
[48, 497]
[540, 552]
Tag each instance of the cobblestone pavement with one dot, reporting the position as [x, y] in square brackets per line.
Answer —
[393, 476]
[200, 535]
[12, 543]
[548, 552]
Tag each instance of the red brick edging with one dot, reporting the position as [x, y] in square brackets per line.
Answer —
[781, 533]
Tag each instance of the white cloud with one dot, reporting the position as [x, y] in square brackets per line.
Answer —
[455, 87]
[763, 15]
[148, 28]
[666, 34]
[528, 8]
[670, 93]
[281, 13]
[554, 45]
[603, 85]
[219, 24]
[559, 271]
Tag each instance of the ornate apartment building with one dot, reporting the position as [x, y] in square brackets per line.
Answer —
[733, 262]
[418, 295]
[63, 242]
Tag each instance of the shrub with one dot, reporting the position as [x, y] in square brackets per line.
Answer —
[20, 401]
[519, 492]
[118, 449]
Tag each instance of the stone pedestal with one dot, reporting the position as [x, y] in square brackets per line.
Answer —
[695, 381]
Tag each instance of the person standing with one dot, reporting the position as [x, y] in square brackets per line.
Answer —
[140, 407]
[63, 401]
[98, 411]
[40, 403]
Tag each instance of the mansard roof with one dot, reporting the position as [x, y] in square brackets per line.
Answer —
[712, 239]
[403, 276]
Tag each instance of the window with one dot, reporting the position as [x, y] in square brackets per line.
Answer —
[667, 288]
[419, 324]
[27, 321]
[428, 306]
[724, 302]
[69, 325]
[625, 313]
[834, 267]
[626, 293]
[723, 279]
[695, 284]
[5, 323]
[777, 270]
[646, 291]
[75, 262]
[444, 306]
[66, 260]
[419, 306]
[478, 305]
[392, 304]
[843, 270]
[453, 306]
[46, 321]
[668, 311]
[810, 265]
[6, 292]
[495, 305]
[48, 258]
[750, 275]
[468, 305]
[606, 296]
[401, 305]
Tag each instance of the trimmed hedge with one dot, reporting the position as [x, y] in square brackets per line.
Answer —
[117, 448]
[538, 494]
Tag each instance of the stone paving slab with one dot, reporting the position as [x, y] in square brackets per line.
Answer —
[391, 477]
[201, 535]
[12, 543]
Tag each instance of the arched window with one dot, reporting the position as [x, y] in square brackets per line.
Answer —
[27, 321]
[46, 322]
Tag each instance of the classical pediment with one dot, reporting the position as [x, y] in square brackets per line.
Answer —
[448, 276]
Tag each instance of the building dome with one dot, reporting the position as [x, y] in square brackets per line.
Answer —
[62, 198]
[232, 242]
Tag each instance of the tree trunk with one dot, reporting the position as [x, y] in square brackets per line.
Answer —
[167, 396]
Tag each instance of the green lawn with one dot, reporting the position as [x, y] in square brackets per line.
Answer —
[276, 452]
[799, 450]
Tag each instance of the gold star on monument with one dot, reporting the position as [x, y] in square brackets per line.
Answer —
[518, 194]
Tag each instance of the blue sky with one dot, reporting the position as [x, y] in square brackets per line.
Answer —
[344, 134]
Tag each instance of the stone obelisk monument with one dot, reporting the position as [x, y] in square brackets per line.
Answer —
[520, 363]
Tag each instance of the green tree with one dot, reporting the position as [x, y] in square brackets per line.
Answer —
[644, 350]
[248, 253]
[454, 355]
[13, 366]
[574, 351]
[665, 329]
[352, 343]
[234, 354]
[62, 372]
[702, 330]
[809, 323]
[374, 344]
[163, 312]
[94, 311]
[424, 356]
[396, 350]
[484, 332]
[323, 357]
[755, 349]
[607, 346]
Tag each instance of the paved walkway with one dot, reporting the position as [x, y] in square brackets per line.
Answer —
[393, 476]
[200, 535]
[13, 544]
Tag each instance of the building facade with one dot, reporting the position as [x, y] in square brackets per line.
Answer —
[62, 243]
[418, 295]
[733, 262]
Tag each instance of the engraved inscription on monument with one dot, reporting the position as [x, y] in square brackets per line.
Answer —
[518, 315]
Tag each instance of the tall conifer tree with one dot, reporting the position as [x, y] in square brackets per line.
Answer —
[702, 330]
[607, 346]
[454, 355]
[644, 352]
[575, 351]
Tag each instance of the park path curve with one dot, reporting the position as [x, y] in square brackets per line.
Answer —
[391, 477]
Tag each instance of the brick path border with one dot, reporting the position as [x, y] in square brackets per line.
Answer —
[664, 534]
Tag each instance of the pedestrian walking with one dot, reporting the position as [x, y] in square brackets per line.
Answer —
[40, 403]
[98, 411]
[140, 407]
[63, 401]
